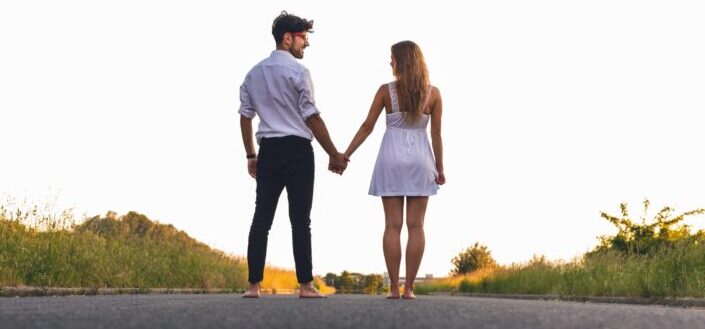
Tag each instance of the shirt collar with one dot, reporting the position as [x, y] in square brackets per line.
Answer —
[283, 53]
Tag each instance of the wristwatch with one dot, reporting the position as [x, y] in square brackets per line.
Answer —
[251, 156]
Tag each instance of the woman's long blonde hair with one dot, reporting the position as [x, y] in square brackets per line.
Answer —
[411, 78]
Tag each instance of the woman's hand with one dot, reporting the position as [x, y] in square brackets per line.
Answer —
[440, 178]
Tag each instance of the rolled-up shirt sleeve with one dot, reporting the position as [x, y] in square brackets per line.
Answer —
[307, 104]
[247, 107]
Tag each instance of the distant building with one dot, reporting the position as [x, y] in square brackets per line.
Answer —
[402, 279]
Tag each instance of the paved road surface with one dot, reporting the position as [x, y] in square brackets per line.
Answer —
[344, 311]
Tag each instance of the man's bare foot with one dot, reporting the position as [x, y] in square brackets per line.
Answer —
[408, 294]
[307, 290]
[252, 292]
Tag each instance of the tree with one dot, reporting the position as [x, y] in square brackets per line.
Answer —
[372, 284]
[645, 237]
[344, 282]
[355, 283]
[331, 279]
[472, 259]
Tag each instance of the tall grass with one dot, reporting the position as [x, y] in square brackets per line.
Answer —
[41, 249]
[672, 272]
[657, 258]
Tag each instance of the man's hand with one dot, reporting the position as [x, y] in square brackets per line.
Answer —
[252, 167]
[338, 163]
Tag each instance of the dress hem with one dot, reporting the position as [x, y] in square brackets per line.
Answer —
[402, 194]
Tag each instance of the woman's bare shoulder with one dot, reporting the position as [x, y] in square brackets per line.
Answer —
[384, 97]
[434, 99]
[435, 94]
[435, 91]
[383, 90]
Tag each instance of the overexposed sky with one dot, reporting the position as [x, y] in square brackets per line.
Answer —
[553, 112]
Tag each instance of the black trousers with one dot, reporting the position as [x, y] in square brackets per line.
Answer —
[283, 162]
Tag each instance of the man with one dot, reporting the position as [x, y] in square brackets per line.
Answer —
[280, 91]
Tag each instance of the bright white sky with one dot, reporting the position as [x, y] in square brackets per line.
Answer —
[553, 112]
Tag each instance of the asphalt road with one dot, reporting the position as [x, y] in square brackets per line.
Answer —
[343, 311]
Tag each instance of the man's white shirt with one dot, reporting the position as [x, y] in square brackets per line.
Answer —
[280, 91]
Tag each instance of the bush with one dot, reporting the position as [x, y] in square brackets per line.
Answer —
[644, 238]
[472, 259]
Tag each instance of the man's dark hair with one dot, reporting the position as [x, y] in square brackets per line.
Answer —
[286, 22]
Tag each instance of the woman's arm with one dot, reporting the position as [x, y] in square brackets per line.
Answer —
[369, 124]
[436, 140]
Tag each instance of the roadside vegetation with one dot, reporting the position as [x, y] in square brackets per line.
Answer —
[656, 257]
[44, 248]
[661, 257]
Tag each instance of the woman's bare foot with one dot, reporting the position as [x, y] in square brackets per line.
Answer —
[307, 290]
[408, 293]
[393, 294]
[252, 292]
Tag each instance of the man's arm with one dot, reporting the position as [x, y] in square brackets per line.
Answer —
[337, 163]
[248, 141]
[318, 127]
[307, 109]
[247, 137]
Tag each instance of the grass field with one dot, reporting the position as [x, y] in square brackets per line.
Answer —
[674, 272]
[39, 247]
[42, 248]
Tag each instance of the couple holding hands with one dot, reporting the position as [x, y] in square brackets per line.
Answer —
[408, 169]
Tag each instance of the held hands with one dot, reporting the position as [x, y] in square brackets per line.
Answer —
[338, 163]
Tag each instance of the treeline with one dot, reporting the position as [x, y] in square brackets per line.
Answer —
[355, 283]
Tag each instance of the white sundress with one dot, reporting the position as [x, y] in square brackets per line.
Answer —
[405, 164]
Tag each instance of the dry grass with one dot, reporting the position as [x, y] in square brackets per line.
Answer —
[283, 281]
[451, 284]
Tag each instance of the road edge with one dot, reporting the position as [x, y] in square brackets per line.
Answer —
[673, 302]
[51, 291]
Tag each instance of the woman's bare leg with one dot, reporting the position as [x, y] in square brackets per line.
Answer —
[391, 243]
[415, 213]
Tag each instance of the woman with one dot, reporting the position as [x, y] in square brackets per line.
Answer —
[405, 169]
